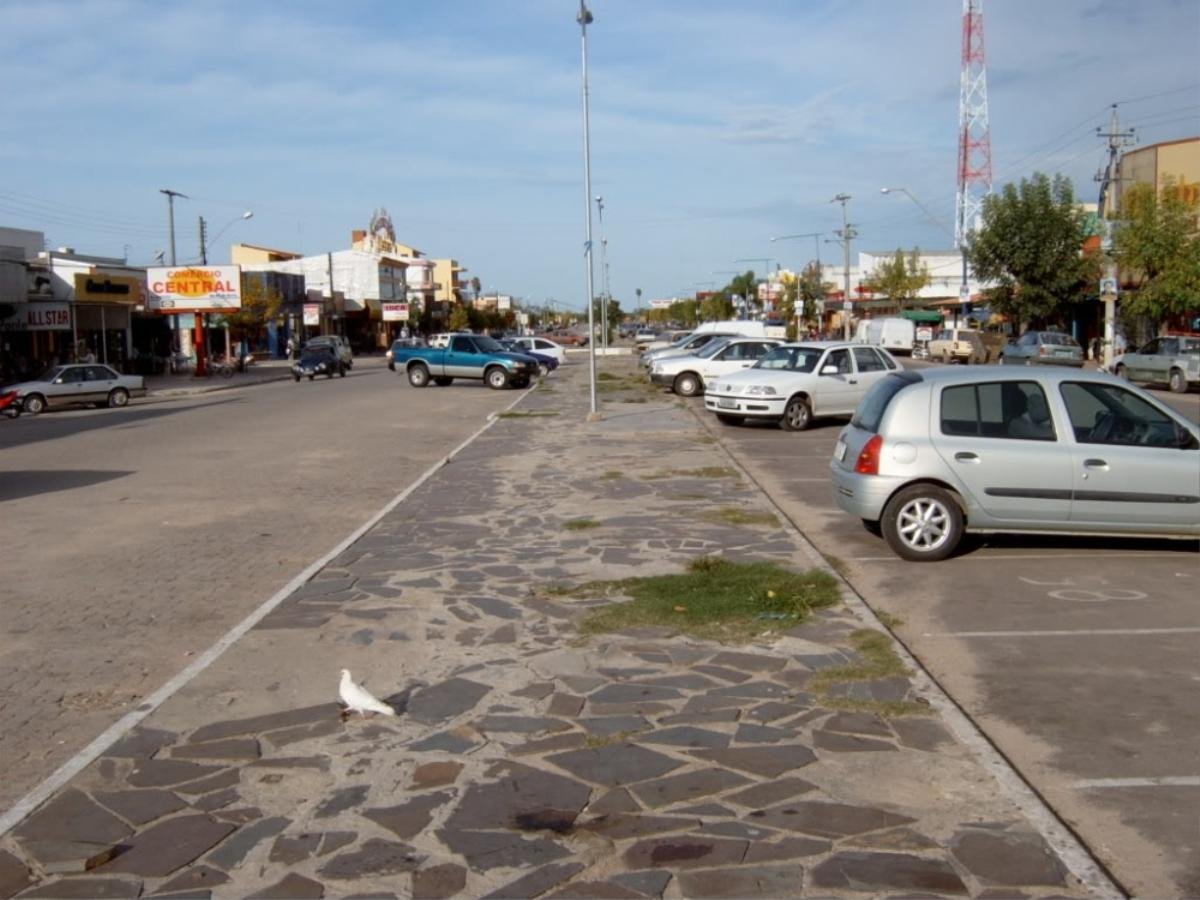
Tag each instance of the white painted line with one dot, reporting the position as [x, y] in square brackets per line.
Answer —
[122, 726]
[1162, 781]
[1082, 632]
[981, 557]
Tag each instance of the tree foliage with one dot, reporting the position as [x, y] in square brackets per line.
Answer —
[460, 319]
[1030, 245]
[260, 305]
[900, 278]
[812, 290]
[1157, 246]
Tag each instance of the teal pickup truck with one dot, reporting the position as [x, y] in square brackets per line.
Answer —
[465, 356]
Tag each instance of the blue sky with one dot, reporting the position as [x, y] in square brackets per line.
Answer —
[715, 125]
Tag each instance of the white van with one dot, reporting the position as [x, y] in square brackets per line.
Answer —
[742, 327]
[893, 333]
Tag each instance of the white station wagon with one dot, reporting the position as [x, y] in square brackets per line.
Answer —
[796, 383]
[687, 375]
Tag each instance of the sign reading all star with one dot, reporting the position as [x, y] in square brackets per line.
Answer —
[194, 289]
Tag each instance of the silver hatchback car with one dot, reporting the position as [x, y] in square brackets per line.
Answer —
[935, 453]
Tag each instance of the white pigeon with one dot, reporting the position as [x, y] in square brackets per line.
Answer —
[359, 700]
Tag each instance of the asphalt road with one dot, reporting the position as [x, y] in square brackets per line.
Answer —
[134, 538]
[1078, 657]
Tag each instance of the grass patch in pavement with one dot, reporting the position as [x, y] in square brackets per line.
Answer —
[580, 524]
[611, 475]
[879, 660]
[714, 599]
[515, 414]
[704, 472]
[735, 515]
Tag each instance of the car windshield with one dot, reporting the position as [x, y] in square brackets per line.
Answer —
[315, 354]
[488, 345]
[712, 348]
[683, 340]
[793, 359]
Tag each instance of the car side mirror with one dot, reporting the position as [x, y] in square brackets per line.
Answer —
[829, 370]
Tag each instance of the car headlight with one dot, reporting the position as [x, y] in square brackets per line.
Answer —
[761, 390]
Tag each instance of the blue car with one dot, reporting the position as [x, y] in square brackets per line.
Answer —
[545, 363]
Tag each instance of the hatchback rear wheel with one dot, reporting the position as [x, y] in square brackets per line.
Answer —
[1178, 382]
[922, 523]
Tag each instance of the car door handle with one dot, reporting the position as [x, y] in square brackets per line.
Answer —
[1095, 464]
[966, 456]
[854, 381]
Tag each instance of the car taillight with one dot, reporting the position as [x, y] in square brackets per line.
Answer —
[868, 459]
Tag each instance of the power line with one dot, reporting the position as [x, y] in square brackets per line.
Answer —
[1187, 87]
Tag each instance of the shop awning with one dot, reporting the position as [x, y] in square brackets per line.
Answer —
[921, 315]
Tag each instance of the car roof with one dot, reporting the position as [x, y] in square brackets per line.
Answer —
[828, 345]
[1052, 374]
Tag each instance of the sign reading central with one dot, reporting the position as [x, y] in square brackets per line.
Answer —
[195, 289]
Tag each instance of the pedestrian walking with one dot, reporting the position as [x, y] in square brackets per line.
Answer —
[89, 357]
[291, 347]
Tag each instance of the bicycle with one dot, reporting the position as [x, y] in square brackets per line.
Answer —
[219, 365]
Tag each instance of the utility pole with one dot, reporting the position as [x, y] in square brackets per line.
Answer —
[183, 335]
[203, 243]
[847, 233]
[974, 141]
[1108, 177]
[604, 270]
[332, 299]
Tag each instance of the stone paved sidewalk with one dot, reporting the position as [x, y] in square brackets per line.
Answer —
[525, 762]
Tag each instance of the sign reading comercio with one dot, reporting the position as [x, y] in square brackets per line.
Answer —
[204, 289]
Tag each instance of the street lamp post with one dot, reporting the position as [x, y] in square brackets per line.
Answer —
[964, 291]
[847, 232]
[205, 243]
[585, 18]
[183, 336]
[604, 271]
[766, 261]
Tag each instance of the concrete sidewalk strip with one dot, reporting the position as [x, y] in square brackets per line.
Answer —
[160, 387]
[524, 762]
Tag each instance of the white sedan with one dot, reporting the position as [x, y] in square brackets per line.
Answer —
[796, 383]
[543, 346]
[687, 375]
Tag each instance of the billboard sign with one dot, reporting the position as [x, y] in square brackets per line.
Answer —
[204, 289]
[395, 312]
[312, 313]
[38, 317]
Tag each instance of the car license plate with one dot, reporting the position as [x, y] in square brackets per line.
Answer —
[839, 450]
[726, 403]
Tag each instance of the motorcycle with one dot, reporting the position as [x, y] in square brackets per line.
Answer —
[10, 404]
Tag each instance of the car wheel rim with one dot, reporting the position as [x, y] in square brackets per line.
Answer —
[923, 524]
[797, 414]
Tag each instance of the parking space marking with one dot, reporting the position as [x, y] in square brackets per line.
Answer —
[1162, 781]
[1082, 632]
[990, 557]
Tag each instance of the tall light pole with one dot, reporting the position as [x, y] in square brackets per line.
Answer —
[171, 195]
[964, 292]
[205, 243]
[847, 232]
[604, 270]
[766, 261]
[585, 18]
[819, 310]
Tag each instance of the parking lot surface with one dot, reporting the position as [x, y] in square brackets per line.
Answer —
[1078, 657]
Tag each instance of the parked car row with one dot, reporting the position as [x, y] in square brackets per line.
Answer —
[477, 357]
[932, 454]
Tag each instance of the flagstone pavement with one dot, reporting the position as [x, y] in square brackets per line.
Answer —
[524, 761]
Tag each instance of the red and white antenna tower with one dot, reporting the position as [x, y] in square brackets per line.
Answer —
[974, 136]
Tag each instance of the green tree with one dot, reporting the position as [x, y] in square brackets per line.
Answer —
[1030, 245]
[900, 278]
[745, 286]
[1157, 246]
[475, 286]
[812, 290]
[260, 305]
[460, 319]
[716, 307]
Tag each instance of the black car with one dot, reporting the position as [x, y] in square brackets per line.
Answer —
[320, 360]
